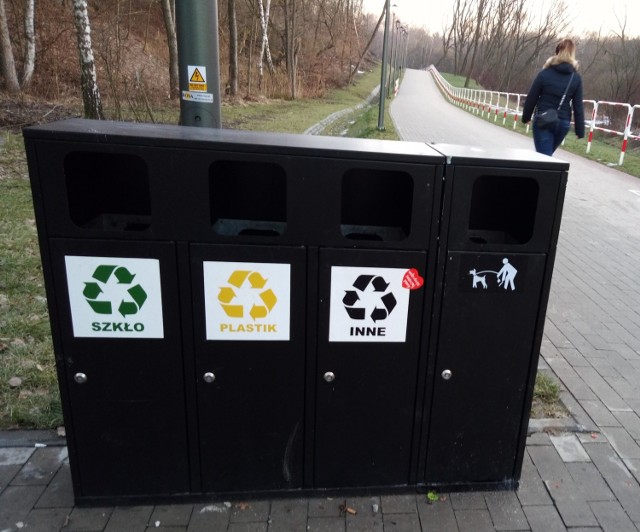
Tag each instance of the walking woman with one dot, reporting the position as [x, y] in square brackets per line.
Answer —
[557, 88]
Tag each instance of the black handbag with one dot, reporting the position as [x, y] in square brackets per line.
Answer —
[549, 118]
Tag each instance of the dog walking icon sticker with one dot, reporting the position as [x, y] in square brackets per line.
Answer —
[115, 297]
[370, 304]
[504, 277]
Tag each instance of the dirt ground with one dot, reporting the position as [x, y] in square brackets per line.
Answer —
[18, 112]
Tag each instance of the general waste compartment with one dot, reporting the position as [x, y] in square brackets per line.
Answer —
[501, 219]
[150, 238]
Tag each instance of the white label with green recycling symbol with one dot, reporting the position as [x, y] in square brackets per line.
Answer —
[115, 297]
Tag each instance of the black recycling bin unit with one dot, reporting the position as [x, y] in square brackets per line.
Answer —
[235, 312]
[500, 226]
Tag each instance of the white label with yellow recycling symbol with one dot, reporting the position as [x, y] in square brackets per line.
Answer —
[247, 300]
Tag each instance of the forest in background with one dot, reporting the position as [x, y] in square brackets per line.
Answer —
[292, 49]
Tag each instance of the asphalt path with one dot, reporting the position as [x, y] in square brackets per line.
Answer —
[592, 332]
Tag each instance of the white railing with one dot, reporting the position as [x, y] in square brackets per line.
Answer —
[503, 105]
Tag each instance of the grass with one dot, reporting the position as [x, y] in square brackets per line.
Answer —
[546, 397]
[25, 345]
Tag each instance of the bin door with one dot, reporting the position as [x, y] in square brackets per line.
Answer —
[122, 360]
[249, 315]
[368, 351]
[484, 353]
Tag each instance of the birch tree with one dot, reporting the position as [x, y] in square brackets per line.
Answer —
[264, 47]
[88, 76]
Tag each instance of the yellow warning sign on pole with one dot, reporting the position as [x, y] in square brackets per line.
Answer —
[197, 78]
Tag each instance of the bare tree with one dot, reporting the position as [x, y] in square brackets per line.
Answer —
[8, 69]
[233, 48]
[88, 76]
[168, 13]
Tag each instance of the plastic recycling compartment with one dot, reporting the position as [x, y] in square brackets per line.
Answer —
[243, 313]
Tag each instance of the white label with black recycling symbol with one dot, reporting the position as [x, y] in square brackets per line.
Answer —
[368, 305]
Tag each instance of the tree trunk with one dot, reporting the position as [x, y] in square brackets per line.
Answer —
[172, 43]
[30, 36]
[264, 48]
[290, 52]
[233, 48]
[7, 62]
[88, 76]
[366, 48]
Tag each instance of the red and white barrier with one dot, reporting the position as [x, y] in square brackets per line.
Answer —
[498, 103]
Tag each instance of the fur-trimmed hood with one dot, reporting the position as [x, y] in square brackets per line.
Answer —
[554, 60]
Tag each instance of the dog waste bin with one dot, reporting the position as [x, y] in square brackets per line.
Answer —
[500, 225]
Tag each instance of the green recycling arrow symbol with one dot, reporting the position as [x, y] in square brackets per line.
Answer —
[102, 275]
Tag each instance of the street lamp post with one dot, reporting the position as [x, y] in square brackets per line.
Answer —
[198, 58]
[383, 76]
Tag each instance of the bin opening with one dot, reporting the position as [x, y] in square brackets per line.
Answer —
[248, 198]
[503, 210]
[376, 205]
[108, 191]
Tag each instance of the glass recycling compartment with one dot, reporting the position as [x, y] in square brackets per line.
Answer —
[108, 191]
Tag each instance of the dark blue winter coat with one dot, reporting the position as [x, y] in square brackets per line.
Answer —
[546, 92]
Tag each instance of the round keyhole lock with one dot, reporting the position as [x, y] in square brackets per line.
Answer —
[447, 374]
[329, 376]
[209, 377]
[80, 378]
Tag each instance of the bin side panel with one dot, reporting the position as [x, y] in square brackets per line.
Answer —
[485, 340]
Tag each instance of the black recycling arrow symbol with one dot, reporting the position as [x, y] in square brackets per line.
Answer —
[380, 285]
[350, 297]
[389, 302]
[362, 282]
[355, 313]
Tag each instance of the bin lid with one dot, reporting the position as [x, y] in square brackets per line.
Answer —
[164, 135]
[498, 157]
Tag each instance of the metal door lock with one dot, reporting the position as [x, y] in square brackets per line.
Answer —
[329, 376]
[209, 377]
[80, 378]
[447, 374]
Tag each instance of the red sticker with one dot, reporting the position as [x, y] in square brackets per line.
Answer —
[412, 280]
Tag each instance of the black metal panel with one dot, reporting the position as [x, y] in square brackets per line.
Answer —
[365, 417]
[503, 209]
[486, 341]
[251, 416]
[129, 431]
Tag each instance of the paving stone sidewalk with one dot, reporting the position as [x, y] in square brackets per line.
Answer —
[583, 475]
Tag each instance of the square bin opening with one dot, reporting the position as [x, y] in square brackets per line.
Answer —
[248, 198]
[108, 191]
[503, 210]
[376, 205]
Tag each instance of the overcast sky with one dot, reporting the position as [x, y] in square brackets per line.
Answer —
[586, 15]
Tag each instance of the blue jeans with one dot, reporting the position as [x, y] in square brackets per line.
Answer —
[547, 140]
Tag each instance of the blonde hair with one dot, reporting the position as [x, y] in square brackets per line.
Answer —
[565, 53]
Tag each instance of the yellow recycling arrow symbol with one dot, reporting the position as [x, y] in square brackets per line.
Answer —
[227, 295]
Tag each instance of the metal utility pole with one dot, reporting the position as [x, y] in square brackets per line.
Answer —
[383, 76]
[198, 58]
